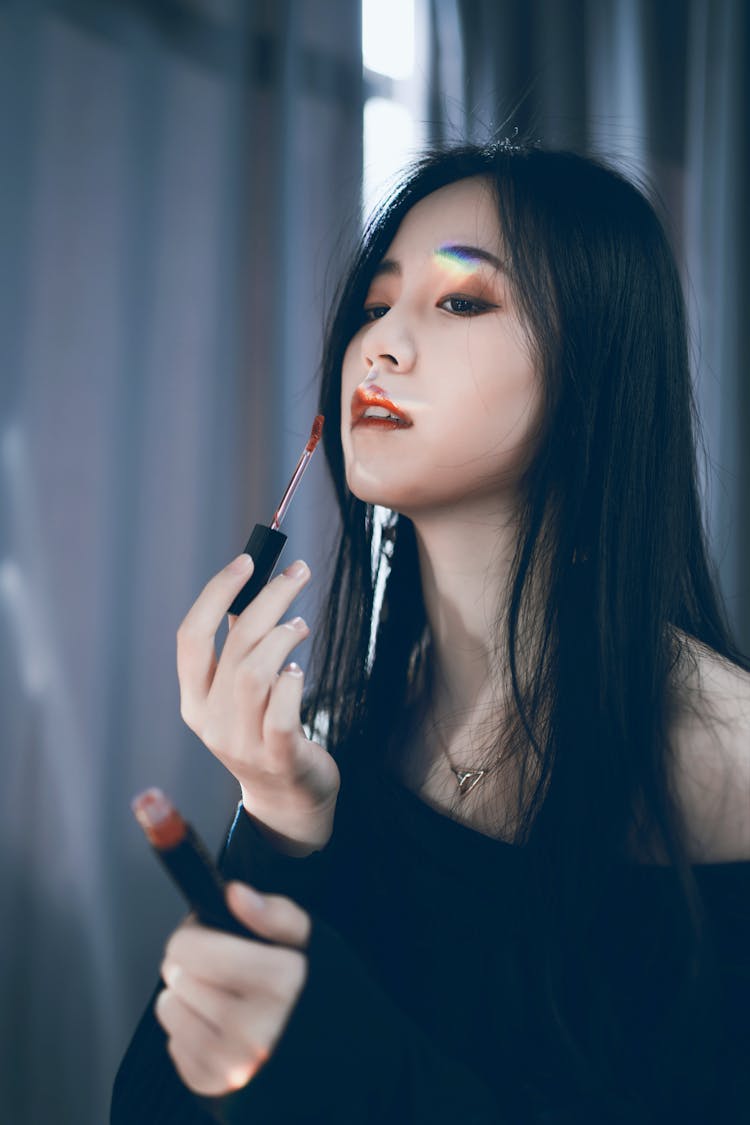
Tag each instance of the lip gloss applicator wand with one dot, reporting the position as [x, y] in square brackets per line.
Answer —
[266, 543]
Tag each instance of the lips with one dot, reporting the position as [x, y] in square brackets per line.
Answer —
[374, 395]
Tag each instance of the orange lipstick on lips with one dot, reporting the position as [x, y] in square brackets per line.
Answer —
[372, 399]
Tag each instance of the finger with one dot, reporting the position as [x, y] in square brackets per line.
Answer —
[196, 654]
[220, 959]
[265, 610]
[195, 1070]
[256, 676]
[210, 1003]
[282, 723]
[241, 1022]
[251, 629]
[271, 916]
[183, 1022]
[234, 964]
[261, 664]
[208, 1075]
[202, 1060]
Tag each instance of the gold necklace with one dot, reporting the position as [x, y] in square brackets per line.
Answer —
[466, 778]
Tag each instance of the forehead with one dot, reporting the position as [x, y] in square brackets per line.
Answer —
[463, 213]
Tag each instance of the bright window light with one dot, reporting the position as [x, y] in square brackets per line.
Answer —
[388, 145]
[388, 37]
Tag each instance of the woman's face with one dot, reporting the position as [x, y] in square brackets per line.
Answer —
[442, 338]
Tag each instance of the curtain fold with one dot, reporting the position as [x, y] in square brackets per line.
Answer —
[177, 186]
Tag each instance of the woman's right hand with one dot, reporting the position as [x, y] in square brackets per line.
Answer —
[248, 715]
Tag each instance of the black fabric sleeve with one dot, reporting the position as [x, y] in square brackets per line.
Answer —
[347, 1054]
[249, 856]
[147, 1087]
[726, 893]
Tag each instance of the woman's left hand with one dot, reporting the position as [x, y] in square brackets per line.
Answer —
[229, 998]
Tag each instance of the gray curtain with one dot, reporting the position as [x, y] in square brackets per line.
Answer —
[660, 87]
[177, 181]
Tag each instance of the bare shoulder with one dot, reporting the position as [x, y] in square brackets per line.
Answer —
[710, 735]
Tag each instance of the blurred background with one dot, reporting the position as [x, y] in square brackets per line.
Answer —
[181, 183]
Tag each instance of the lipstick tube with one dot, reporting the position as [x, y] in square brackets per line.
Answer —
[184, 856]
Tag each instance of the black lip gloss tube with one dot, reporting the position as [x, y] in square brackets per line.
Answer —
[264, 547]
[266, 543]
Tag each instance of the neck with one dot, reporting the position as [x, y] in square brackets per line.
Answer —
[464, 567]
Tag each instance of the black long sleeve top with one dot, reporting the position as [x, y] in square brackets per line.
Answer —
[420, 1005]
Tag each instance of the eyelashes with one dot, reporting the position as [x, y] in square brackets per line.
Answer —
[470, 307]
[476, 307]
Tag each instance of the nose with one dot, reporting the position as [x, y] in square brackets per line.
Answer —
[389, 345]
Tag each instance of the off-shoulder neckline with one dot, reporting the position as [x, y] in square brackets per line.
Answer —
[440, 832]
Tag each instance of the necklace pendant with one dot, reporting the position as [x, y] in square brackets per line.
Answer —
[467, 779]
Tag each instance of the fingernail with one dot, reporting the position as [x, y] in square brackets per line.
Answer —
[293, 669]
[241, 564]
[297, 623]
[296, 569]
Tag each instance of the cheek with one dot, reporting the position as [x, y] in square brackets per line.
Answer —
[500, 387]
[350, 380]
[491, 429]
[351, 376]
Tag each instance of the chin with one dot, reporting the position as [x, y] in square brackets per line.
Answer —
[370, 496]
[395, 494]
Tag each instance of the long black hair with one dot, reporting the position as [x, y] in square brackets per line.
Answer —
[610, 524]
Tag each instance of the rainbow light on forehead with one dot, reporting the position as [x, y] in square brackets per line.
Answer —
[459, 264]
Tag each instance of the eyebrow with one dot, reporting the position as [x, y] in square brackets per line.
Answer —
[390, 266]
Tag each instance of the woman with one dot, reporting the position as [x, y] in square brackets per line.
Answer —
[507, 879]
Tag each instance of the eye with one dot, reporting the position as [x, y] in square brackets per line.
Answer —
[462, 306]
[466, 306]
[374, 313]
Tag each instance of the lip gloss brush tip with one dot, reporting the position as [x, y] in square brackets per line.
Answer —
[317, 430]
